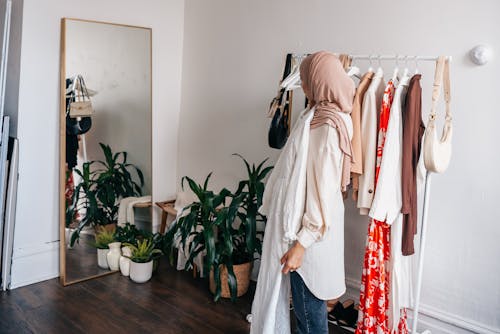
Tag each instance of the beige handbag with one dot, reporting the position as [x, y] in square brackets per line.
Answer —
[437, 152]
[81, 106]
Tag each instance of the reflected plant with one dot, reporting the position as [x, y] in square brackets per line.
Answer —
[103, 184]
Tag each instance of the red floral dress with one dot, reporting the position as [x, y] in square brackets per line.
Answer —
[374, 295]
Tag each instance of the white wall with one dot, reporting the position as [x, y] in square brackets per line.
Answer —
[233, 58]
[37, 227]
[115, 61]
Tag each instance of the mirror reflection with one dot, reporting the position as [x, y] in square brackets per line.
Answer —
[106, 74]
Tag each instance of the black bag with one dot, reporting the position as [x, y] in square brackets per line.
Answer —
[78, 126]
[279, 108]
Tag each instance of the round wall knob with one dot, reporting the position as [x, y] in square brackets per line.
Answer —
[480, 54]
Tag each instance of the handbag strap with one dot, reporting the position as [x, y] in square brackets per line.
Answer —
[441, 77]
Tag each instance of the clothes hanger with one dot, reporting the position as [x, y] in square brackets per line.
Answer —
[405, 72]
[354, 71]
[370, 69]
[292, 81]
[396, 70]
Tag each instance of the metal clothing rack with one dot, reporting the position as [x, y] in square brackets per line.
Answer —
[427, 187]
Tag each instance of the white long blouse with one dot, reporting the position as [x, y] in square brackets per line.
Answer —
[302, 201]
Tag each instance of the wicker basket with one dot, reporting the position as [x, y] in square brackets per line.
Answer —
[242, 273]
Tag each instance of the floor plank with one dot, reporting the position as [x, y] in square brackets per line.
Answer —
[172, 302]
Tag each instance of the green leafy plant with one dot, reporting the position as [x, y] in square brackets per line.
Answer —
[103, 184]
[144, 251]
[252, 191]
[104, 237]
[129, 234]
[228, 234]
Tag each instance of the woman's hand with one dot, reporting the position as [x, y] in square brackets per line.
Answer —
[292, 259]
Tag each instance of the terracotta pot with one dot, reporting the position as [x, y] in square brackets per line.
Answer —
[108, 227]
[242, 273]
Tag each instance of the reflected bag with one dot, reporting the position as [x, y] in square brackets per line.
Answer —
[78, 125]
[437, 152]
[280, 111]
[81, 106]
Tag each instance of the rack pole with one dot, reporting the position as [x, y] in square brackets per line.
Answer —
[423, 232]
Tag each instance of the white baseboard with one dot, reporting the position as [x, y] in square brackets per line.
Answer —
[436, 320]
[34, 264]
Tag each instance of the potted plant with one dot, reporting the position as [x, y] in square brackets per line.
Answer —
[103, 184]
[240, 237]
[227, 234]
[252, 191]
[103, 238]
[141, 265]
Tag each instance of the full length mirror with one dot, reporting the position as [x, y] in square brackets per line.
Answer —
[105, 141]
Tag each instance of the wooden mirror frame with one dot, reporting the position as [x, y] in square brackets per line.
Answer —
[62, 144]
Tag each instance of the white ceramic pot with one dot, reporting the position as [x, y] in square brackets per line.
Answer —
[68, 233]
[102, 262]
[125, 261]
[141, 272]
[113, 256]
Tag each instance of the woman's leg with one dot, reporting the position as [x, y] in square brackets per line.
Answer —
[310, 312]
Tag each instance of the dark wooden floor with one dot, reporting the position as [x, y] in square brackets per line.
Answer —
[81, 260]
[172, 302]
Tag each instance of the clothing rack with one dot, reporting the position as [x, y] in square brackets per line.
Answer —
[395, 57]
[378, 57]
[427, 187]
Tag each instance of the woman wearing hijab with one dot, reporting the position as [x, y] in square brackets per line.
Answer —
[304, 239]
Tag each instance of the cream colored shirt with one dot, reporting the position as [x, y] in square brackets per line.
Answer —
[322, 231]
[322, 183]
[369, 116]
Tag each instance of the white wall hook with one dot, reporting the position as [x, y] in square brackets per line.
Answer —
[481, 54]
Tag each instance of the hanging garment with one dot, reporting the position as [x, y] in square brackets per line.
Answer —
[374, 292]
[345, 60]
[357, 152]
[413, 130]
[370, 109]
[386, 207]
[283, 204]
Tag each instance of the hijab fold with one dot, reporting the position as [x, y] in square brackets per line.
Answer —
[331, 91]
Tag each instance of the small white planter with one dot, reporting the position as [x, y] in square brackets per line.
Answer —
[68, 233]
[125, 261]
[102, 262]
[113, 256]
[141, 272]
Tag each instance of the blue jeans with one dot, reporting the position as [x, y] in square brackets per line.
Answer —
[310, 312]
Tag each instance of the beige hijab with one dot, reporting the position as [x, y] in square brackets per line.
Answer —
[330, 90]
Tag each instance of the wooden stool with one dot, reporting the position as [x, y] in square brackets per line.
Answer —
[167, 207]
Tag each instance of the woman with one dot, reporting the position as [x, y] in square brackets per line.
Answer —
[304, 238]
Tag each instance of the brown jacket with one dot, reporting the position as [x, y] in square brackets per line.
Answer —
[413, 130]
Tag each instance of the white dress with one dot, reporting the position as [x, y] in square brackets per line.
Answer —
[302, 202]
[387, 204]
